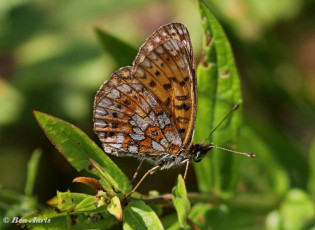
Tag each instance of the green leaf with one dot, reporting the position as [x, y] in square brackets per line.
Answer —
[87, 204]
[137, 215]
[311, 181]
[11, 102]
[218, 92]
[199, 215]
[32, 168]
[275, 179]
[296, 212]
[106, 177]
[64, 201]
[114, 208]
[61, 198]
[76, 147]
[78, 202]
[121, 51]
[51, 219]
[180, 200]
[218, 216]
[199, 212]
[75, 210]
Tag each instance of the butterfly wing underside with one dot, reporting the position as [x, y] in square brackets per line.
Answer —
[149, 109]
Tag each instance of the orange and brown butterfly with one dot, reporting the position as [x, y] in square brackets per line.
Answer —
[148, 110]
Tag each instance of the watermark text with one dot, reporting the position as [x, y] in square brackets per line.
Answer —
[17, 220]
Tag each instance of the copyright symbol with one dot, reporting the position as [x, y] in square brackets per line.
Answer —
[6, 219]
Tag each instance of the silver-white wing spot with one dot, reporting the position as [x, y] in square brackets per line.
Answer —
[114, 94]
[124, 88]
[133, 149]
[163, 120]
[100, 112]
[105, 102]
[100, 124]
[157, 146]
[137, 137]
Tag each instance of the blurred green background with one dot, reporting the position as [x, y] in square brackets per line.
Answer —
[52, 61]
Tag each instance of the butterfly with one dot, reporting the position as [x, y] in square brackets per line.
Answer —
[148, 110]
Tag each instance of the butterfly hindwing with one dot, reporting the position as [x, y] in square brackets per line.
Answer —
[129, 120]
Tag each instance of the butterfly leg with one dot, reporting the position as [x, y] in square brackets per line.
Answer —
[136, 173]
[143, 177]
[187, 166]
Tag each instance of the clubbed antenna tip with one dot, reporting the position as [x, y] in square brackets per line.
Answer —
[233, 151]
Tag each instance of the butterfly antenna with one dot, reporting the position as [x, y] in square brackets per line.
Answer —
[232, 151]
[226, 116]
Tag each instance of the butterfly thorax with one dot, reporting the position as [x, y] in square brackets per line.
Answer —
[196, 152]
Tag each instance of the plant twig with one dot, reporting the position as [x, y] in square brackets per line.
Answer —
[192, 224]
[245, 201]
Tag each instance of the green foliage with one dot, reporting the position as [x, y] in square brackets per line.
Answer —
[296, 212]
[122, 52]
[114, 208]
[80, 151]
[14, 204]
[138, 215]
[72, 210]
[77, 148]
[180, 200]
[311, 181]
[11, 102]
[32, 170]
[49, 66]
[279, 182]
[50, 219]
[83, 154]
[218, 92]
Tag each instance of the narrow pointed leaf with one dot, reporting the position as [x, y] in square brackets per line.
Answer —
[76, 147]
[32, 168]
[218, 92]
[106, 179]
[59, 199]
[92, 182]
[180, 200]
[121, 51]
[88, 204]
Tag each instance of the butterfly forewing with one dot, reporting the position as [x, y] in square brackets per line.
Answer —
[165, 65]
[149, 109]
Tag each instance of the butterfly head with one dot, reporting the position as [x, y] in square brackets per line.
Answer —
[198, 151]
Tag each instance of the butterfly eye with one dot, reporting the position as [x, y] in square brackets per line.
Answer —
[197, 157]
[199, 151]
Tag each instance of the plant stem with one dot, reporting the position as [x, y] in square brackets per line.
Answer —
[244, 201]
